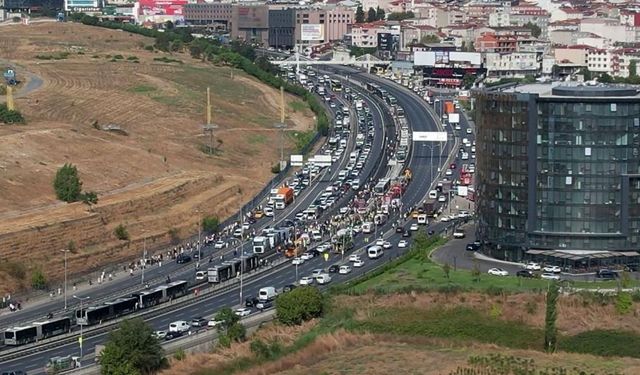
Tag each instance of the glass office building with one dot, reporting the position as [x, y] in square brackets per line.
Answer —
[558, 171]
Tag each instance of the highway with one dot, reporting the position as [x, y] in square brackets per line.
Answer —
[34, 363]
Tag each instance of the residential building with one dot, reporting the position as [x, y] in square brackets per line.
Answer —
[609, 28]
[514, 64]
[576, 54]
[282, 28]
[503, 39]
[366, 34]
[558, 173]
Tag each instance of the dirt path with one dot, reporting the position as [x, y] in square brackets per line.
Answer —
[33, 82]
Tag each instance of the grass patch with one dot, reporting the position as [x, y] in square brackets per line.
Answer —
[141, 89]
[54, 56]
[297, 106]
[607, 343]
[167, 60]
[459, 323]
[255, 139]
[301, 139]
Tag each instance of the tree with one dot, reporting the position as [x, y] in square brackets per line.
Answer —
[300, 304]
[132, 349]
[429, 39]
[89, 197]
[586, 74]
[371, 15]
[210, 224]
[468, 80]
[605, 78]
[535, 29]
[400, 16]
[121, 233]
[550, 330]
[359, 14]
[229, 327]
[168, 25]
[380, 14]
[633, 68]
[38, 280]
[67, 184]
[226, 319]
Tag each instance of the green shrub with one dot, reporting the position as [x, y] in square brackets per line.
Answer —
[118, 57]
[8, 116]
[180, 355]
[67, 184]
[300, 304]
[38, 280]
[210, 224]
[121, 233]
[266, 351]
[624, 303]
[608, 343]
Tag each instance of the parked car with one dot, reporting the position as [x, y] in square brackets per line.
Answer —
[550, 276]
[243, 311]
[219, 245]
[552, 269]
[532, 266]
[525, 273]
[606, 274]
[498, 272]
[471, 247]
[183, 258]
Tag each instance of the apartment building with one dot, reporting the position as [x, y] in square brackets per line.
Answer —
[208, 13]
[250, 23]
[366, 34]
[514, 64]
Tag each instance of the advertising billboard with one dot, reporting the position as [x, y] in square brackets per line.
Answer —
[297, 160]
[311, 32]
[252, 16]
[321, 160]
[162, 7]
[454, 118]
[424, 58]
[473, 58]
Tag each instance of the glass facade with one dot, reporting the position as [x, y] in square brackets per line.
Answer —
[558, 172]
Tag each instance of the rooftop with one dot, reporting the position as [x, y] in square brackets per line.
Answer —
[575, 89]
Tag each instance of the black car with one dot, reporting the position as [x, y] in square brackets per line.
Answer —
[334, 268]
[183, 258]
[399, 229]
[525, 273]
[471, 247]
[251, 302]
[606, 274]
[289, 223]
[288, 288]
[172, 335]
[406, 233]
[199, 322]
[430, 233]
[314, 252]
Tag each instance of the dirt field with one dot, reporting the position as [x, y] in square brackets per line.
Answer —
[107, 78]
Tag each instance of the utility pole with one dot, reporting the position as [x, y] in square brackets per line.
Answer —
[82, 312]
[65, 274]
[281, 125]
[144, 257]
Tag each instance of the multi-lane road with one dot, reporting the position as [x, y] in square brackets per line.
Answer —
[419, 119]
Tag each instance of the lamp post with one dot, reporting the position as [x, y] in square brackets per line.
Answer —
[65, 278]
[199, 234]
[81, 299]
[143, 263]
[241, 273]
[431, 146]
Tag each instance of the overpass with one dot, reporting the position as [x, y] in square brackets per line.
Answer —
[366, 61]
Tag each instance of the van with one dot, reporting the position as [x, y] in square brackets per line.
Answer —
[323, 278]
[422, 219]
[433, 194]
[267, 294]
[367, 227]
[343, 143]
[375, 252]
[353, 157]
[179, 326]
[355, 184]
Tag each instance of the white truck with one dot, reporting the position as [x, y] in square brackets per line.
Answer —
[268, 293]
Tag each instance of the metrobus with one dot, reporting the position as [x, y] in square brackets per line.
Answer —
[382, 186]
[336, 86]
[37, 331]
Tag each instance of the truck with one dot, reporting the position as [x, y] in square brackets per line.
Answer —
[261, 244]
[449, 107]
[268, 293]
[283, 197]
[342, 241]
[60, 363]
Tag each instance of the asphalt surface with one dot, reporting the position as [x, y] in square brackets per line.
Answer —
[34, 363]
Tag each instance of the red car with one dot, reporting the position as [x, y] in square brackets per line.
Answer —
[452, 166]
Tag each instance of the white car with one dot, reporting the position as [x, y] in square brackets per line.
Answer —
[552, 269]
[402, 244]
[358, 263]
[344, 210]
[379, 242]
[413, 227]
[297, 260]
[445, 219]
[306, 280]
[498, 272]
[354, 258]
[220, 245]
[468, 130]
[532, 266]
[243, 311]
[160, 335]
[201, 275]
[442, 198]
[344, 270]
[387, 245]
[449, 172]
[316, 272]
[306, 256]
[550, 276]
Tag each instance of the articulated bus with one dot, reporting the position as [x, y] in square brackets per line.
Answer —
[36, 331]
[382, 186]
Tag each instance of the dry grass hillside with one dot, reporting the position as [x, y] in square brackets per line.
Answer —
[153, 175]
[359, 350]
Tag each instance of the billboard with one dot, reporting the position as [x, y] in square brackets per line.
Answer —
[162, 7]
[252, 17]
[297, 160]
[311, 32]
[424, 58]
[473, 58]
[433, 58]
[321, 160]
[454, 118]
[429, 136]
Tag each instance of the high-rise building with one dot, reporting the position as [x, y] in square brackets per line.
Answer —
[558, 173]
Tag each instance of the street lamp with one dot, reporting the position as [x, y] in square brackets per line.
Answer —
[241, 273]
[65, 278]
[199, 234]
[143, 263]
[81, 299]
[431, 146]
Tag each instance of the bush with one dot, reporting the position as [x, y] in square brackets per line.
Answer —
[608, 343]
[266, 351]
[624, 303]
[9, 116]
[210, 224]
[180, 355]
[67, 184]
[89, 197]
[38, 280]
[299, 305]
[121, 233]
